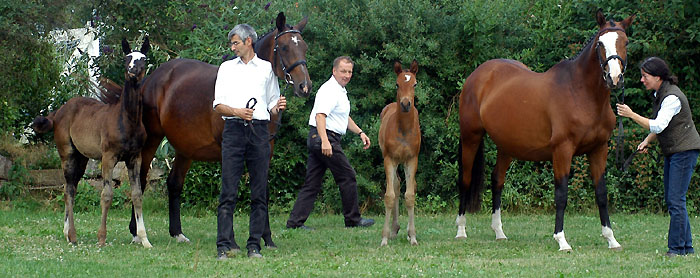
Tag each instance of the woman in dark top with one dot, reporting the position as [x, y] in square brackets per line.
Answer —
[672, 125]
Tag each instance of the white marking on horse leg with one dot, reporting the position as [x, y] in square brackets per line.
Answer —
[608, 235]
[497, 226]
[461, 222]
[181, 238]
[136, 240]
[561, 239]
[141, 231]
[66, 226]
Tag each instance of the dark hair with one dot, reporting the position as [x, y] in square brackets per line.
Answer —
[347, 59]
[658, 67]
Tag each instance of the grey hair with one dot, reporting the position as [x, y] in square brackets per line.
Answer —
[243, 31]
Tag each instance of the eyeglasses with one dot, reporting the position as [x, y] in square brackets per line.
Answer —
[236, 43]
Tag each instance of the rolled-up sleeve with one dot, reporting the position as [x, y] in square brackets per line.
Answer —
[221, 86]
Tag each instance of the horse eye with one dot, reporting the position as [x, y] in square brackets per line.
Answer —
[415, 84]
[397, 85]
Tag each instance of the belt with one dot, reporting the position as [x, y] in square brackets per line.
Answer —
[253, 121]
[328, 131]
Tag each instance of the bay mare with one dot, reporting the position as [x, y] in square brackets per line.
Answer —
[550, 116]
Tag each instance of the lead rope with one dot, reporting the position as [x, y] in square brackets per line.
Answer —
[620, 141]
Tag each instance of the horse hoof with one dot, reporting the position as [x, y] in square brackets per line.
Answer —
[566, 250]
[501, 238]
[384, 242]
[413, 241]
[136, 240]
[460, 237]
[181, 238]
[146, 244]
[616, 248]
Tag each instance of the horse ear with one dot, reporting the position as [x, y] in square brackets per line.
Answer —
[281, 21]
[125, 47]
[146, 46]
[300, 26]
[414, 67]
[627, 22]
[397, 67]
[600, 17]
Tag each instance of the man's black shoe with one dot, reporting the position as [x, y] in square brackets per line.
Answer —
[670, 254]
[223, 255]
[254, 253]
[364, 222]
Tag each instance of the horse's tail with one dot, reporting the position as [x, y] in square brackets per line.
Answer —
[470, 194]
[43, 124]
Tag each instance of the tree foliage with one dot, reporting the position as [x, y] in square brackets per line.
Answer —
[449, 38]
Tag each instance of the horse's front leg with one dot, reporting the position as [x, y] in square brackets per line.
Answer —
[108, 162]
[410, 168]
[498, 179]
[389, 198]
[134, 167]
[175, 183]
[561, 161]
[597, 161]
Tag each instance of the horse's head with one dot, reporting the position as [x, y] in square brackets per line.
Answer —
[135, 61]
[406, 85]
[290, 52]
[611, 47]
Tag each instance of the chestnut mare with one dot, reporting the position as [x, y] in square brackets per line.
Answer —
[399, 139]
[550, 116]
[178, 99]
[110, 131]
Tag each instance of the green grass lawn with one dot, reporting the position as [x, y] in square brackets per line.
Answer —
[32, 245]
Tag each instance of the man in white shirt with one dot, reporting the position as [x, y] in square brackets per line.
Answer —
[246, 93]
[329, 120]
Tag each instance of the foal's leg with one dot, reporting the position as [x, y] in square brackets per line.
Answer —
[147, 154]
[410, 168]
[108, 162]
[389, 197]
[561, 162]
[73, 169]
[134, 167]
[597, 160]
[498, 178]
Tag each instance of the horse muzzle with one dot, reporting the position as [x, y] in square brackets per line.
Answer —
[303, 89]
[614, 83]
[405, 105]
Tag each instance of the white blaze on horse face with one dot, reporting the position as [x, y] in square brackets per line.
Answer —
[295, 40]
[135, 56]
[408, 77]
[609, 40]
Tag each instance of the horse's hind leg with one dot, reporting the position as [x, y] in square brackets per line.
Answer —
[561, 162]
[410, 168]
[134, 167]
[73, 169]
[498, 178]
[597, 162]
[470, 178]
[389, 198]
[108, 162]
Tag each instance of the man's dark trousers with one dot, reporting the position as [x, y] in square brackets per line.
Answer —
[241, 145]
[316, 166]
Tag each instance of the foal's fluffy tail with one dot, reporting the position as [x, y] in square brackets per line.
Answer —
[470, 194]
[43, 124]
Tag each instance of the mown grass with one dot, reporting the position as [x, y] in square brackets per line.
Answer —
[32, 245]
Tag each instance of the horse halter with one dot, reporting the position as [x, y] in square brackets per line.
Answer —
[603, 63]
[285, 69]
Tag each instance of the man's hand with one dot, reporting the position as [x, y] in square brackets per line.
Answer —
[365, 140]
[281, 105]
[244, 113]
[326, 148]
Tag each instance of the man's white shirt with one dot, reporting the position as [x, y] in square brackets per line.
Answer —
[332, 100]
[238, 82]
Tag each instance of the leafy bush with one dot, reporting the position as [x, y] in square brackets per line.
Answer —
[449, 39]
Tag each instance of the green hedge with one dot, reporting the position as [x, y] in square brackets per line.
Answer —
[449, 39]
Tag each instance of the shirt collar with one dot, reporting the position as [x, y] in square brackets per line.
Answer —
[336, 84]
[255, 61]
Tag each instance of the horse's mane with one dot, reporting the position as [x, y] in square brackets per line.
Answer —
[586, 45]
[108, 91]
